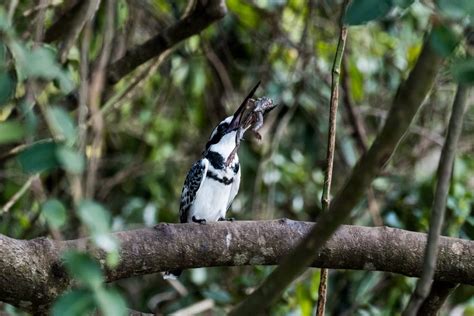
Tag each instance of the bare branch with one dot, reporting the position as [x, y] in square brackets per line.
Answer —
[96, 90]
[203, 15]
[33, 275]
[333, 104]
[11, 10]
[439, 204]
[18, 195]
[406, 103]
[68, 26]
[356, 121]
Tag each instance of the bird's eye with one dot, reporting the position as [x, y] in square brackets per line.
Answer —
[224, 126]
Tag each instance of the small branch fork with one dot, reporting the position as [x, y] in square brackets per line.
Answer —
[201, 15]
[326, 196]
[445, 167]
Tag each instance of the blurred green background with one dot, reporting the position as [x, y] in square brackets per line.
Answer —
[152, 132]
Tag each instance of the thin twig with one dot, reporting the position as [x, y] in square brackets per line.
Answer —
[336, 71]
[32, 86]
[356, 121]
[77, 189]
[138, 81]
[74, 20]
[11, 10]
[198, 16]
[15, 150]
[446, 161]
[359, 132]
[282, 124]
[95, 95]
[38, 7]
[130, 172]
[18, 194]
[39, 25]
[374, 208]
[333, 104]
[218, 66]
[84, 88]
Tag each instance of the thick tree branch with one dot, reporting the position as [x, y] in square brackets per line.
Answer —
[32, 274]
[406, 103]
[204, 13]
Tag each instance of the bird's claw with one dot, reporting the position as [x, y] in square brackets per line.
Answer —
[222, 219]
[199, 221]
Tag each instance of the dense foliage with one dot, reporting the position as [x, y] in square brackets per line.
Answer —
[80, 156]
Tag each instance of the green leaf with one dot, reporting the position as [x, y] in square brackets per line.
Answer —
[84, 269]
[75, 303]
[110, 302]
[94, 216]
[7, 87]
[248, 16]
[97, 220]
[40, 63]
[457, 9]
[62, 124]
[106, 242]
[218, 295]
[443, 40]
[10, 132]
[39, 157]
[113, 259]
[362, 11]
[70, 159]
[54, 213]
[463, 70]
[31, 119]
[4, 24]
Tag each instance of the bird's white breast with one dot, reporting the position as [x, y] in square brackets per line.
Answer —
[213, 197]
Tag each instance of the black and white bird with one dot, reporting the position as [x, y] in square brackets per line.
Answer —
[213, 181]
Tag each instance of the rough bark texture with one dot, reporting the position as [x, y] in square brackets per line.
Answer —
[31, 273]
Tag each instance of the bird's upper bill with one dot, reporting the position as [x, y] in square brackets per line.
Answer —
[249, 114]
[237, 117]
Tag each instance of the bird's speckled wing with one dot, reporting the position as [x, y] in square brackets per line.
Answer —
[234, 189]
[193, 182]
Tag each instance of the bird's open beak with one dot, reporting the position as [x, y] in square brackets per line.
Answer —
[237, 118]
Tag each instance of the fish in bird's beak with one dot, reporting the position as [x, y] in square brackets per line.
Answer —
[237, 117]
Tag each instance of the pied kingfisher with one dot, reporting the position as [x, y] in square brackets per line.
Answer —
[213, 181]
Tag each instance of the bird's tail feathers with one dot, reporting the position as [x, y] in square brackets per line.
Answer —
[172, 275]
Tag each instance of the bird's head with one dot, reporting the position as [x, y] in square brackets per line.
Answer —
[223, 137]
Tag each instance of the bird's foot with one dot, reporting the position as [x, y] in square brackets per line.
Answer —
[222, 219]
[199, 221]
